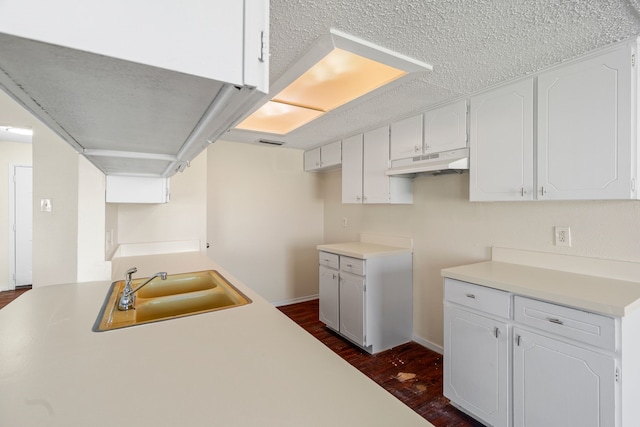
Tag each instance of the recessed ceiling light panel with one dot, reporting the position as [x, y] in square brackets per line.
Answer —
[336, 70]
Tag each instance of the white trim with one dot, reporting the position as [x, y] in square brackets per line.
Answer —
[428, 344]
[295, 300]
[11, 283]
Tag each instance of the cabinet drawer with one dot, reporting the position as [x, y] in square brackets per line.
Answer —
[330, 260]
[352, 265]
[568, 322]
[481, 298]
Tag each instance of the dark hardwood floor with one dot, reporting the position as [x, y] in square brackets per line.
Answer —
[410, 372]
[7, 296]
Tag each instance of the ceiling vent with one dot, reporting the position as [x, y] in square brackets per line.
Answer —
[270, 142]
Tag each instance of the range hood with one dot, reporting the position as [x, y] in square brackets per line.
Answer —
[438, 163]
[136, 88]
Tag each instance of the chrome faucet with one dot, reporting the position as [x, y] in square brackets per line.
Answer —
[128, 293]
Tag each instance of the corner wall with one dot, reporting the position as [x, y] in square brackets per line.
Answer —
[264, 218]
[448, 230]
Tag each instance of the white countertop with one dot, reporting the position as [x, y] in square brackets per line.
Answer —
[363, 250]
[246, 366]
[587, 292]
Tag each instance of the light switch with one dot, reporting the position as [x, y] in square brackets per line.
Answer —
[46, 205]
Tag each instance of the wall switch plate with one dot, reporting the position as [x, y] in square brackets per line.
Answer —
[563, 236]
[46, 205]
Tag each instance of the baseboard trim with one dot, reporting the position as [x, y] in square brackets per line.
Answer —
[428, 344]
[295, 300]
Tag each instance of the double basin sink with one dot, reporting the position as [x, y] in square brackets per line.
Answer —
[179, 295]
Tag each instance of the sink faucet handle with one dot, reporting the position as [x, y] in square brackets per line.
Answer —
[131, 271]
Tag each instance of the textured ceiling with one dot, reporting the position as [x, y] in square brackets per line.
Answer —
[472, 44]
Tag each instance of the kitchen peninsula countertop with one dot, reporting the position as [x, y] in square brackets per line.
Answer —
[245, 366]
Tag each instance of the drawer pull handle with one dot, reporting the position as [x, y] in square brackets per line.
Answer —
[349, 265]
[471, 296]
[554, 320]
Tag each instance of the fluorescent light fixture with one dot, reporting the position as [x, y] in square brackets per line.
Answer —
[336, 70]
[15, 134]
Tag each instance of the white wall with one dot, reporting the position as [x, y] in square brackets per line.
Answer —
[264, 218]
[91, 223]
[183, 218]
[16, 153]
[448, 230]
[55, 177]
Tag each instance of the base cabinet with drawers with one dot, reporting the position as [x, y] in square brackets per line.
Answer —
[511, 360]
[368, 301]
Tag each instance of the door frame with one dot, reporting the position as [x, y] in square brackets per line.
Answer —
[12, 220]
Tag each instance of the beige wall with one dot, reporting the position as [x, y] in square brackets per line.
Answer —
[448, 230]
[55, 176]
[10, 153]
[183, 218]
[264, 218]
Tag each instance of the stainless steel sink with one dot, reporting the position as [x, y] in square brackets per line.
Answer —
[179, 295]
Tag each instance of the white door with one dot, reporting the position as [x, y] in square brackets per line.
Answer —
[352, 308]
[329, 297]
[558, 384]
[352, 169]
[476, 365]
[585, 120]
[406, 138]
[501, 146]
[445, 128]
[23, 221]
[375, 184]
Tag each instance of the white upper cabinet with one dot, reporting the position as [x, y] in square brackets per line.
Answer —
[312, 160]
[585, 134]
[365, 159]
[435, 131]
[377, 187]
[406, 138]
[585, 124]
[502, 143]
[137, 88]
[323, 158]
[445, 128]
[352, 169]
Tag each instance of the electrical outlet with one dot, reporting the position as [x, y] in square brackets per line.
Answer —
[563, 236]
[344, 222]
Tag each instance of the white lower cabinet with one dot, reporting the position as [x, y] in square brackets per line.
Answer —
[369, 302]
[476, 365]
[559, 384]
[352, 308]
[510, 360]
[329, 297]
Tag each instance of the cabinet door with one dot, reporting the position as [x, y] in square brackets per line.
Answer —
[584, 129]
[445, 128]
[558, 384]
[375, 184]
[352, 308]
[501, 146]
[312, 159]
[331, 154]
[352, 169]
[329, 297]
[476, 365]
[406, 138]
